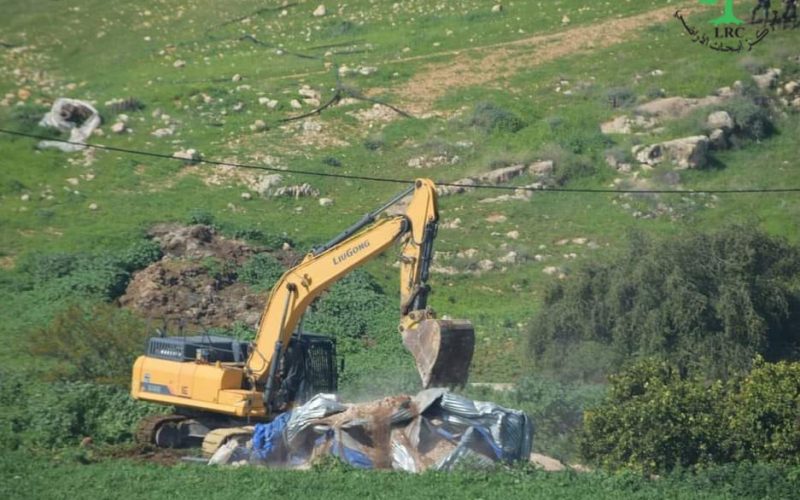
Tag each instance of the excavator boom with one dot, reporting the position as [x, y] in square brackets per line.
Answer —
[252, 381]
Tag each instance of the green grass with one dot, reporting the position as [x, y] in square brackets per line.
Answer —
[65, 477]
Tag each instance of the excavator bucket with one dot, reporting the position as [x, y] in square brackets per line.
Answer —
[442, 350]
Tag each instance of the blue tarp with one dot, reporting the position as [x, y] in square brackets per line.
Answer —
[267, 437]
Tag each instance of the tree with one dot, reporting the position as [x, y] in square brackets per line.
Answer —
[709, 303]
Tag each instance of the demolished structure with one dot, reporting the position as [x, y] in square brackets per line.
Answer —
[435, 429]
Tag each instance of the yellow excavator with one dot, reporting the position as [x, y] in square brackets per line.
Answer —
[220, 385]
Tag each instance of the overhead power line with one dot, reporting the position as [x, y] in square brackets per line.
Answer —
[393, 180]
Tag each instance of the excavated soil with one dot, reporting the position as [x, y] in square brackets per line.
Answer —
[195, 281]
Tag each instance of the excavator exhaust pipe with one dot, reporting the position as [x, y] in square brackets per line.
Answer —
[442, 350]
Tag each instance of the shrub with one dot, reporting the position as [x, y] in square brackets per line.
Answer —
[201, 216]
[262, 271]
[764, 415]
[50, 415]
[95, 343]
[752, 120]
[492, 118]
[620, 97]
[707, 302]
[654, 421]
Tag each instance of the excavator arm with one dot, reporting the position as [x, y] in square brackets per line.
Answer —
[424, 336]
[182, 372]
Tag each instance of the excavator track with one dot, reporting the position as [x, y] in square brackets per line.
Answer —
[148, 427]
[218, 437]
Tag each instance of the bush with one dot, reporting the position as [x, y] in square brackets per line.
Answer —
[764, 415]
[620, 97]
[262, 271]
[59, 414]
[752, 120]
[492, 118]
[654, 421]
[103, 276]
[707, 302]
[95, 343]
[201, 216]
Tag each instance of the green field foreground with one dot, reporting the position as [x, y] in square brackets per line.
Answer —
[27, 477]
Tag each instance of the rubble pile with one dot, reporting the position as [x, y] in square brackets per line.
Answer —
[435, 429]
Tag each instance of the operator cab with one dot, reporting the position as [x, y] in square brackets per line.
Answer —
[307, 367]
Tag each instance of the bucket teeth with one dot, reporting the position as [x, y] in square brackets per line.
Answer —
[442, 350]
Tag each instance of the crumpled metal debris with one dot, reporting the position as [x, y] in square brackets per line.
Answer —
[435, 429]
[78, 117]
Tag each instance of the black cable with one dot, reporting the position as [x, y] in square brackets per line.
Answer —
[407, 181]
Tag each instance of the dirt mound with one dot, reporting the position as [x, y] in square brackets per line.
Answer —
[195, 281]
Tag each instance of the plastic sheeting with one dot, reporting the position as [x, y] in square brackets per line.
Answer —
[435, 429]
[79, 118]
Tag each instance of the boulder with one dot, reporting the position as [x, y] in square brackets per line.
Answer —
[190, 155]
[676, 107]
[720, 120]
[718, 140]
[263, 183]
[687, 152]
[320, 11]
[502, 175]
[767, 80]
[541, 168]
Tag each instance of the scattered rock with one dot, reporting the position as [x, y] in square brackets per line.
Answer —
[453, 224]
[246, 196]
[502, 175]
[548, 464]
[767, 80]
[550, 270]
[258, 126]
[25, 197]
[118, 128]
[311, 126]
[580, 241]
[73, 181]
[496, 219]
[162, 132]
[190, 155]
[93, 206]
[236, 78]
[325, 202]
[721, 120]
[687, 152]
[657, 72]
[512, 235]
[676, 107]
[565, 19]
[297, 191]
[485, 265]
[469, 253]
[263, 183]
[791, 87]
[295, 104]
[509, 258]
[625, 124]
[541, 168]
[179, 63]
[320, 11]
[497, 8]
